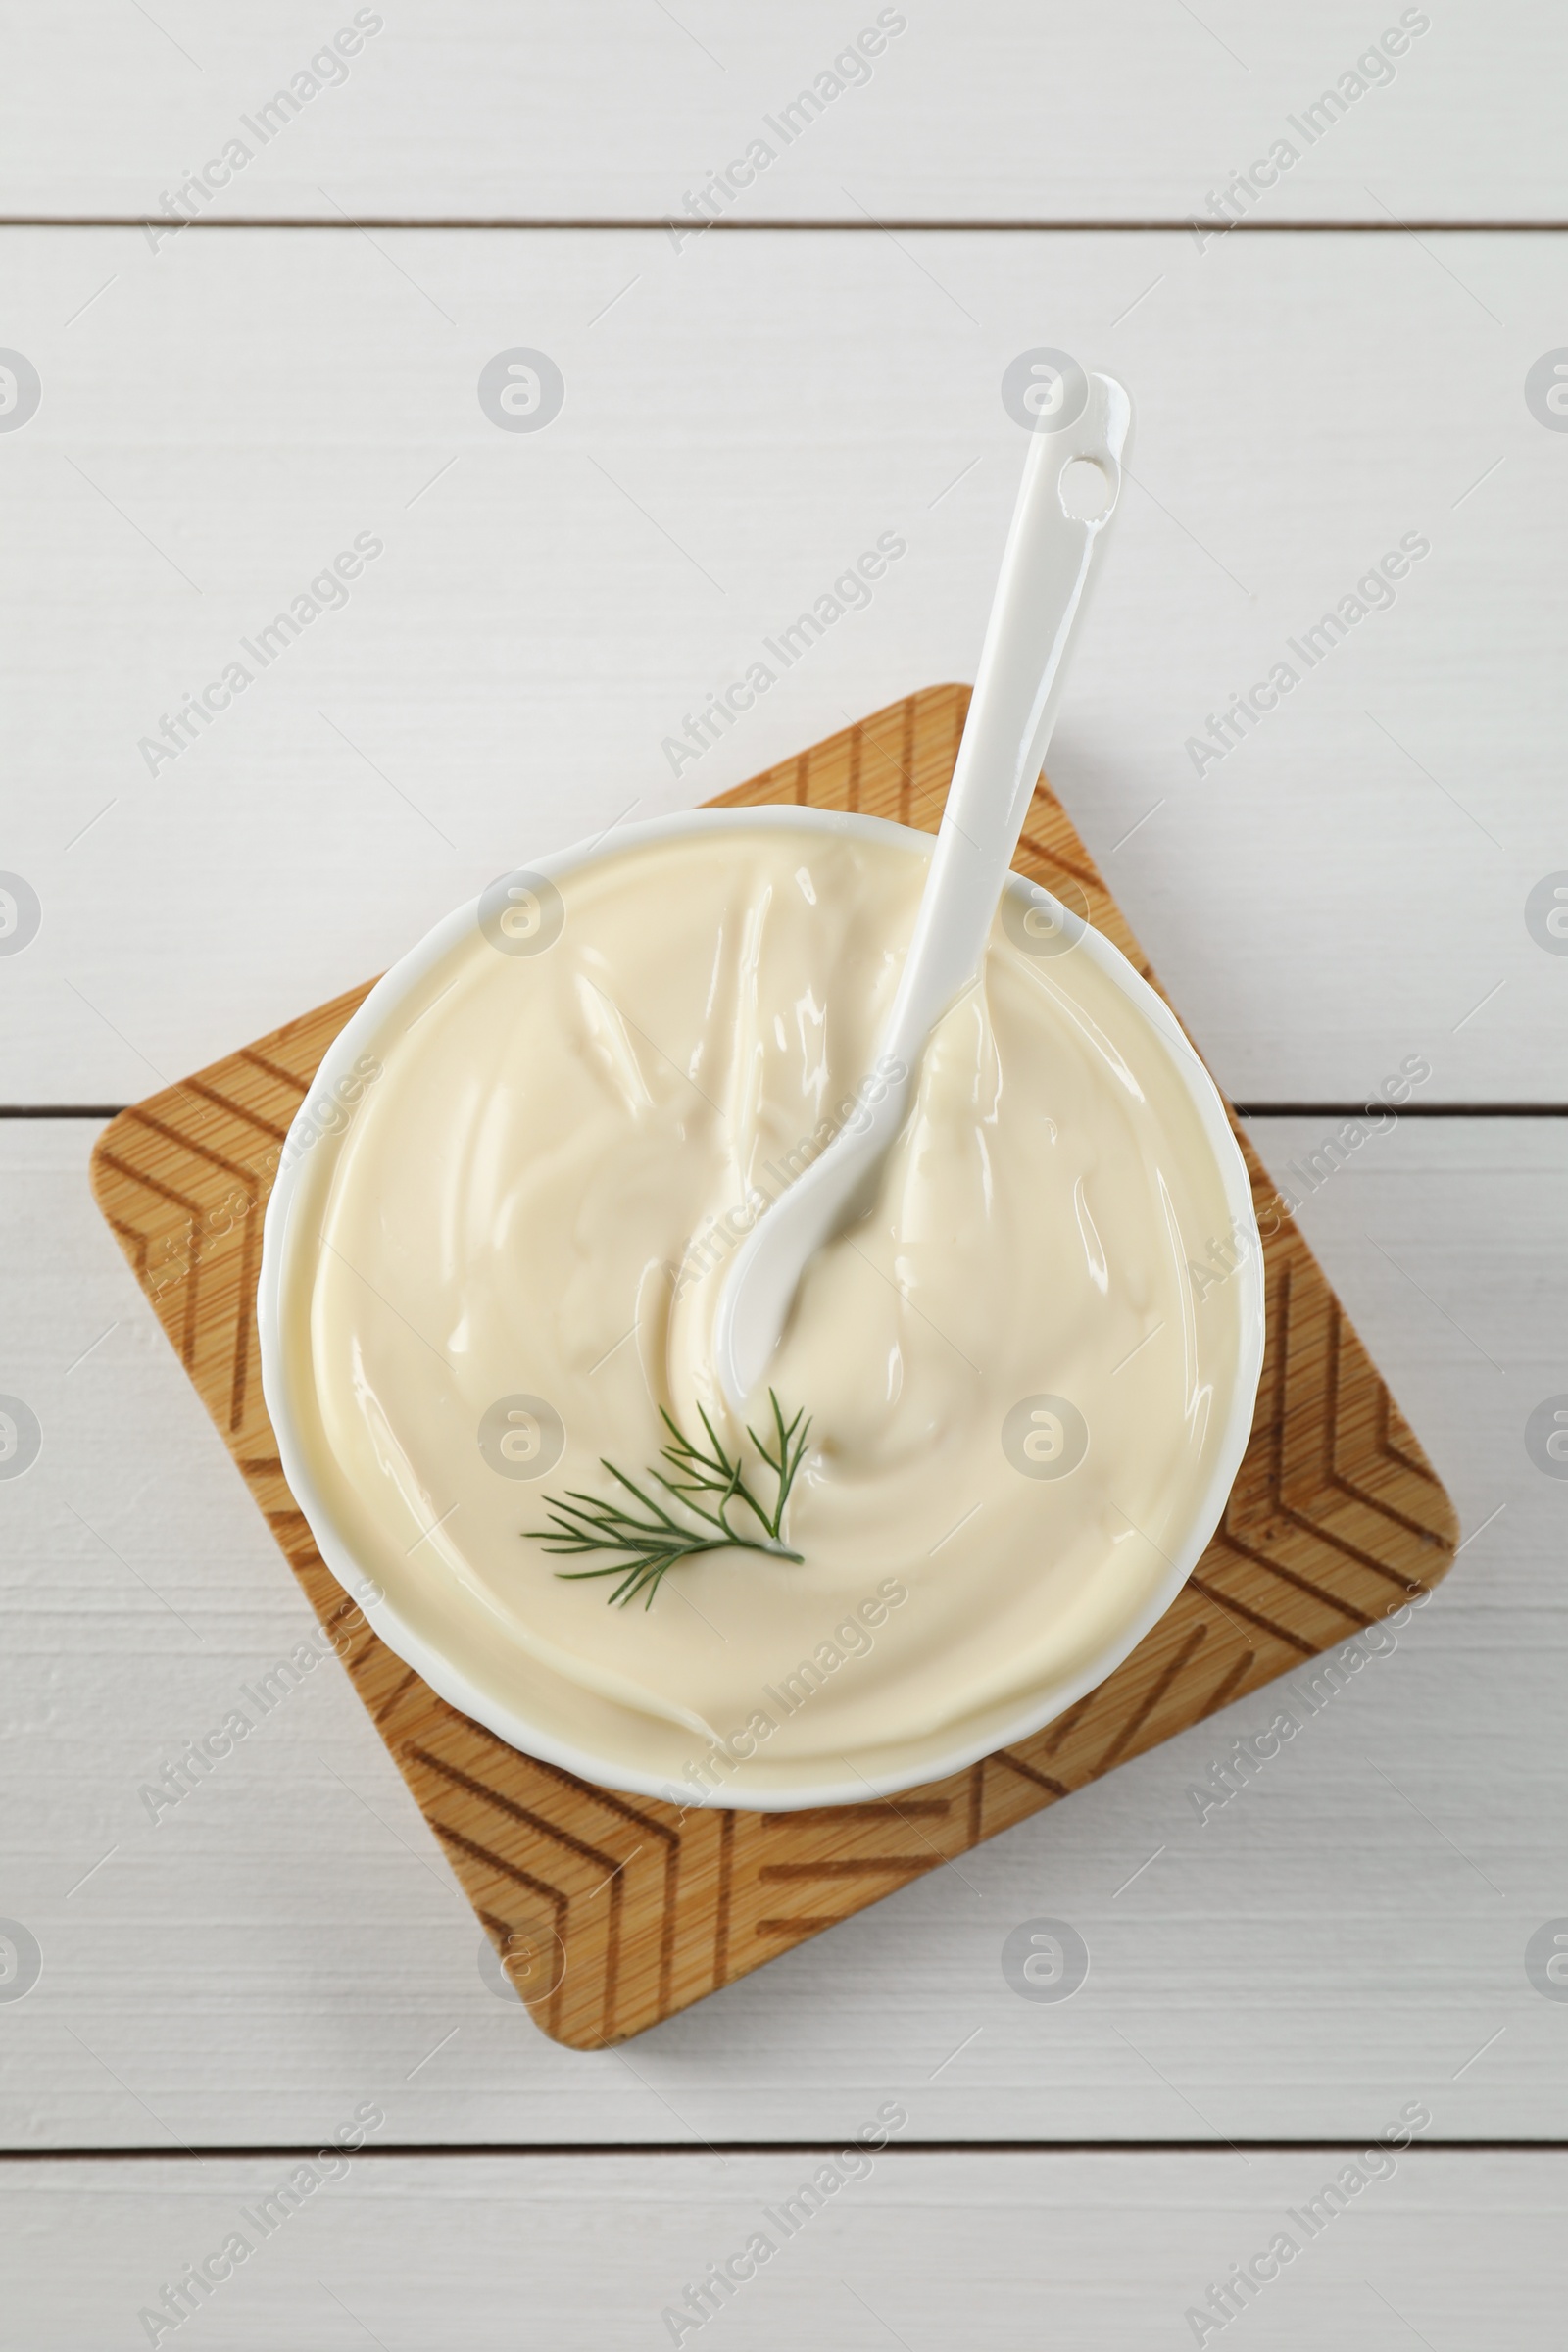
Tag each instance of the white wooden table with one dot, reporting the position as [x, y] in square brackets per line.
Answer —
[223, 408]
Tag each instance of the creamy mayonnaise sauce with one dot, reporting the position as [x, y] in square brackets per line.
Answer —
[509, 1258]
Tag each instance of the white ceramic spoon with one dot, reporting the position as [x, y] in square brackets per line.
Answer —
[1072, 486]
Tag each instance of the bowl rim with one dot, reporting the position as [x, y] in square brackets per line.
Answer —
[447, 1678]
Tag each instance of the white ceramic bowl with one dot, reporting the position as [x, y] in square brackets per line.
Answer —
[460, 1683]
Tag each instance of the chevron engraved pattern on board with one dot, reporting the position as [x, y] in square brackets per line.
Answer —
[613, 1911]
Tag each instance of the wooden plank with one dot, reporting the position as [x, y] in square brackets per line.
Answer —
[481, 111]
[502, 678]
[246, 1921]
[611, 1914]
[1435, 2247]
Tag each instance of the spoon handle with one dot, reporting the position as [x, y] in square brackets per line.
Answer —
[1040, 596]
[1045, 571]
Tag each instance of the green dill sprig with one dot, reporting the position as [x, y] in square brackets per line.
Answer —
[707, 1484]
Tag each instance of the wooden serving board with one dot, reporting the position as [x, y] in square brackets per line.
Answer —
[611, 1912]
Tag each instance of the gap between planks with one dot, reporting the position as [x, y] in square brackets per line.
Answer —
[272, 2151]
[620, 225]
